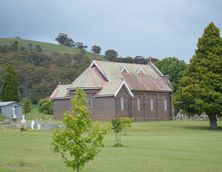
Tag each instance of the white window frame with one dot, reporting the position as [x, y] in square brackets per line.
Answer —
[151, 104]
[121, 103]
[138, 104]
[165, 104]
[90, 102]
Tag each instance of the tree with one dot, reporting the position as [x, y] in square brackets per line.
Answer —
[38, 48]
[46, 106]
[111, 55]
[172, 67]
[118, 125]
[63, 39]
[96, 49]
[26, 105]
[81, 138]
[140, 60]
[201, 86]
[80, 45]
[10, 90]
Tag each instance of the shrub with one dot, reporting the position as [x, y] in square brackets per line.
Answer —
[26, 105]
[46, 106]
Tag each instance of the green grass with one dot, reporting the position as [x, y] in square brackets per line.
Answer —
[47, 48]
[35, 114]
[170, 146]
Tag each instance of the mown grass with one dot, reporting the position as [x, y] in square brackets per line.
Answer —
[35, 114]
[47, 48]
[169, 146]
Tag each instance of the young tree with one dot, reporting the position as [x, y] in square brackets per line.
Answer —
[80, 139]
[26, 105]
[118, 125]
[201, 86]
[96, 49]
[10, 90]
[172, 67]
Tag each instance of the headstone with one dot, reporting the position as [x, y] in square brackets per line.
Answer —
[23, 121]
[32, 124]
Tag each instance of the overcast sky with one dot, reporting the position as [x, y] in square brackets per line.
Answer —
[157, 28]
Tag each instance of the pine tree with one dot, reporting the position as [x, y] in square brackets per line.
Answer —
[10, 85]
[201, 86]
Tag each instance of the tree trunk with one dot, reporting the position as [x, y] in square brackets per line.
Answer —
[213, 121]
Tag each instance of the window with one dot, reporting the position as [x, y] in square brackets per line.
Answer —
[151, 104]
[121, 103]
[89, 102]
[165, 104]
[138, 104]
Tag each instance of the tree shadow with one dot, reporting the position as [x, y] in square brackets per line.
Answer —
[196, 127]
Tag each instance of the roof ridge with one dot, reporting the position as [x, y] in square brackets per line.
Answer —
[121, 62]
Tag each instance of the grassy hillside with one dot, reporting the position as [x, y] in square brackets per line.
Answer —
[47, 48]
[154, 146]
[41, 66]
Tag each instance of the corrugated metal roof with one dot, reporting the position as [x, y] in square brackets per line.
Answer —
[108, 76]
[90, 78]
[60, 92]
[7, 103]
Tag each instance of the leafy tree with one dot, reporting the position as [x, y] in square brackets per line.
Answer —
[46, 106]
[38, 48]
[111, 55]
[172, 67]
[14, 46]
[201, 86]
[81, 138]
[118, 125]
[140, 60]
[126, 122]
[26, 105]
[63, 39]
[10, 90]
[96, 49]
[80, 45]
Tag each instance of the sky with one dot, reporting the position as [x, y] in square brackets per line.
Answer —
[157, 28]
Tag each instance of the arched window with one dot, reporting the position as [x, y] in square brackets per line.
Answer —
[89, 102]
[122, 103]
[165, 104]
[138, 104]
[151, 104]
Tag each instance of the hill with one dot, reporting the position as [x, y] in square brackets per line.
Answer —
[41, 66]
[46, 48]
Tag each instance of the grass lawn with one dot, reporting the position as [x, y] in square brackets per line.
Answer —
[35, 114]
[168, 146]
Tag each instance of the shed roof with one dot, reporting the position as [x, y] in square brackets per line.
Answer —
[8, 103]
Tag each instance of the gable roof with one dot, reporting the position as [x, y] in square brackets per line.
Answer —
[108, 78]
[60, 92]
[112, 89]
[90, 78]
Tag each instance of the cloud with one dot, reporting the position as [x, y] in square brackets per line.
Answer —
[132, 27]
